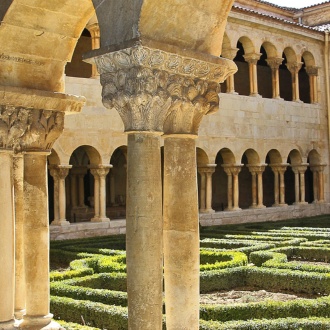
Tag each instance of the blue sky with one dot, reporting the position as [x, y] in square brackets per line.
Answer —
[295, 3]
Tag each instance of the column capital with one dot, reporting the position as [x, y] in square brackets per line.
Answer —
[100, 170]
[230, 53]
[312, 70]
[207, 168]
[149, 87]
[232, 169]
[59, 171]
[94, 30]
[279, 168]
[256, 168]
[317, 168]
[301, 168]
[274, 62]
[294, 67]
[32, 120]
[252, 58]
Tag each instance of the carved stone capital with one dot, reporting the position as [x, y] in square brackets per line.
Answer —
[274, 62]
[301, 168]
[252, 58]
[209, 168]
[101, 170]
[254, 169]
[312, 70]
[279, 168]
[32, 120]
[59, 171]
[148, 86]
[231, 169]
[294, 67]
[317, 168]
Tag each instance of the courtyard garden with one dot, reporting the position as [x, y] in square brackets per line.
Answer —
[273, 275]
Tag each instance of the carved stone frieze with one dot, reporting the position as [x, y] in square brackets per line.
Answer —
[24, 129]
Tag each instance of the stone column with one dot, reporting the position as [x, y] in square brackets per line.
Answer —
[254, 189]
[209, 173]
[299, 171]
[54, 173]
[202, 196]
[315, 183]
[274, 64]
[19, 236]
[230, 82]
[279, 184]
[229, 187]
[312, 72]
[7, 256]
[100, 174]
[59, 174]
[318, 183]
[96, 217]
[235, 171]
[294, 68]
[33, 132]
[252, 60]
[94, 30]
[296, 184]
[257, 185]
[321, 184]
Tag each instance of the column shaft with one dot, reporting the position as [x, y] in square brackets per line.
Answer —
[321, 186]
[202, 197]
[254, 190]
[144, 232]
[7, 256]
[302, 187]
[296, 187]
[276, 188]
[260, 191]
[209, 192]
[315, 186]
[230, 191]
[36, 240]
[236, 191]
[19, 237]
[181, 238]
[96, 196]
[282, 188]
[62, 202]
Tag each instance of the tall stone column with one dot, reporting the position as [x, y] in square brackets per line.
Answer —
[321, 184]
[279, 184]
[54, 173]
[312, 72]
[19, 236]
[229, 187]
[296, 185]
[235, 170]
[254, 189]
[294, 68]
[59, 174]
[315, 184]
[94, 30]
[274, 64]
[202, 197]
[7, 256]
[33, 131]
[299, 171]
[257, 185]
[100, 174]
[230, 82]
[318, 183]
[209, 172]
[252, 60]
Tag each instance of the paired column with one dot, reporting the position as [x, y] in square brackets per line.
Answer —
[294, 68]
[206, 188]
[230, 81]
[232, 172]
[100, 174]
[274, 63]
[252, 60]
[318, 183]
[31, 132]
[299, 173]
[312, 72]
[257, 185]
[7, 256]
[59, 173]
[94, 30]
[279, 184]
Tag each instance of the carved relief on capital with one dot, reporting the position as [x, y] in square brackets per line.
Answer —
[294, 67]
[312, 70]
[254, 169]
[23, 129]
[274, 62]
[252, 58]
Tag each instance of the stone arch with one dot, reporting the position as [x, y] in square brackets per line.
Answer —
[270, 49]
[40, 48]
[116, 184]
[247, 44]
[307, 78]
[219, 179]
[285, 77]
[294, 157]
[202, 157]
[313, 176]
[53, 158]
[264, 72]
[290, 55]
[314, 158]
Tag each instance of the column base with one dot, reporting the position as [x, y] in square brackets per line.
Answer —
[19, 314]
[255, 95]
[38, 323]
[257, 207]
[206, 211]
[60, 223]
[100, 220]
[10, 325]
[236, 209]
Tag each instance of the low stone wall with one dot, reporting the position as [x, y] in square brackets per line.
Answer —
[262, 215]
[118, 226]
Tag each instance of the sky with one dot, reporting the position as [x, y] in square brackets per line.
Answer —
[295, 3]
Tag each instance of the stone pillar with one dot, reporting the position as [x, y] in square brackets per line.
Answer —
[279, 184]
[54, 173]
[296, 185]
[100, 174]
[94, 30]
[235, 171]
[315, 184]
[312, 72]
[294, 68]
[7, 256]
[229, 187]
[318, 183]
[59, 173]
[274, 64]
[147, 86]
[321, 184]
[299, 171]
[230, 82]
[33, 132]
[209, 173]
[257, 185]
[252, 60]
[202, 195]
[19, 236]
